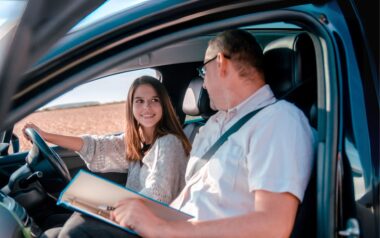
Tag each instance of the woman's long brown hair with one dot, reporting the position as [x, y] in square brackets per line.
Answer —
[169, 123]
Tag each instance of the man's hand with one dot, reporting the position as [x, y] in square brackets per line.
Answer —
[134, 214]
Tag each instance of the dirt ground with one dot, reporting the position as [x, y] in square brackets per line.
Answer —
[95, 120]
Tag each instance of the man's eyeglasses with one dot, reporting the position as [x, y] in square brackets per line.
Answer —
[202, 69]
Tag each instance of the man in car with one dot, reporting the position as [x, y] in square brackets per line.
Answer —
[252, 185]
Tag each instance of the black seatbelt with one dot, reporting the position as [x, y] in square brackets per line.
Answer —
[206, 157]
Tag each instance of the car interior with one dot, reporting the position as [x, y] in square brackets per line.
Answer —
[317, 56]
[292, 71]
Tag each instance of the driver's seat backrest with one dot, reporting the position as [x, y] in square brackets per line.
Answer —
[291, 73]
[196, 103]
[290, 70]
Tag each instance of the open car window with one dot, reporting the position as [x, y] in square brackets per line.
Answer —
[96, 107]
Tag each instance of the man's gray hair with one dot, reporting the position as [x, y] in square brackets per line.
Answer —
[242, 47]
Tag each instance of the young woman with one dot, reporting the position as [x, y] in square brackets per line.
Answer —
[153, 148]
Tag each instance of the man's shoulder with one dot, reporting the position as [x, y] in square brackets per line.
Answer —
[286, 109]
[282, 114]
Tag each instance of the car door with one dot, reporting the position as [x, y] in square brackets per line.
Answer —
[358, 159]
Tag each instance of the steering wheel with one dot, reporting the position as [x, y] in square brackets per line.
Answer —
[42, 158]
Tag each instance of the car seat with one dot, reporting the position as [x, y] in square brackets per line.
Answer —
[196, 103]
[290, 70]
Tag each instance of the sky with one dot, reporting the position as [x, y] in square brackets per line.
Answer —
[110, 89]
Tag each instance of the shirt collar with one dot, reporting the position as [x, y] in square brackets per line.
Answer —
[262, 97]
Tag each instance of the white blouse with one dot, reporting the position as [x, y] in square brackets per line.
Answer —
[159, 176]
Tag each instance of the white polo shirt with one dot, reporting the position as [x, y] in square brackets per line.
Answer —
[273, 151]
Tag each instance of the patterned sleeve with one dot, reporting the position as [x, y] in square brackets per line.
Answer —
[167, 174]
[104, 153]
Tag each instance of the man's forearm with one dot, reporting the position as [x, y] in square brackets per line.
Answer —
[256, 223]
[274, 216]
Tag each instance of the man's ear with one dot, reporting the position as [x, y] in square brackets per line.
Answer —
[222, 62]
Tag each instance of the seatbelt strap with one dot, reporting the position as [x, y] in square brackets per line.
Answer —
[235, 127]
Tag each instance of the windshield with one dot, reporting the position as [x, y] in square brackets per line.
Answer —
[11, 12]
[107, 9]
[10, 15]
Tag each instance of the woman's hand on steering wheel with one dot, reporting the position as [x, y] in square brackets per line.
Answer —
[41, 132]
[42, 153]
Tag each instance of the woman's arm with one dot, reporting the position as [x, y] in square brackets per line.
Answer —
[100, 153]
[69, 142]
[104, 153]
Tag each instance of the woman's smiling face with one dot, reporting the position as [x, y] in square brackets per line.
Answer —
[147, 108]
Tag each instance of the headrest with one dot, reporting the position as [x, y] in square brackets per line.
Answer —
[196, 101]
[290, 70]
[289, 62]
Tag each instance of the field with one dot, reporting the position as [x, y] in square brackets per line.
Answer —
[95, 120]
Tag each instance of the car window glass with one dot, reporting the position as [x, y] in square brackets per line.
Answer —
[107, 9]
[97, 108]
